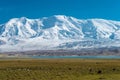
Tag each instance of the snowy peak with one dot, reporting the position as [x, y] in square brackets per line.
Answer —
[58, 31]
[60, 27]
[21, 27]
[60, 17]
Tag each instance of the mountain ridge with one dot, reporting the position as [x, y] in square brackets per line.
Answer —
[56, 31]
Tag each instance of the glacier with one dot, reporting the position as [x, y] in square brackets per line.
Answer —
[58, 32]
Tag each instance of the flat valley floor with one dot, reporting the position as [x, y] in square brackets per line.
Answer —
[60, 69]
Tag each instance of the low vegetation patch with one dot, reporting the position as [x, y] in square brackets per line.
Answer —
[60, 69]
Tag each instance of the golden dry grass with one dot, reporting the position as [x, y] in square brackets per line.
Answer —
[59, 69]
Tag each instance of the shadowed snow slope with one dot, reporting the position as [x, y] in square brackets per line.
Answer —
[58, 32]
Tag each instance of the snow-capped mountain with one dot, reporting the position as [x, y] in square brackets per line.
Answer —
[58, 32]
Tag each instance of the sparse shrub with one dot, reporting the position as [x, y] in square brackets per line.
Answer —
[99, 72]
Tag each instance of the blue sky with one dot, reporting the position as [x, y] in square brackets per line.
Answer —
[82, 9]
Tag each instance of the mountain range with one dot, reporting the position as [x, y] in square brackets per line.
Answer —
[58, 32]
